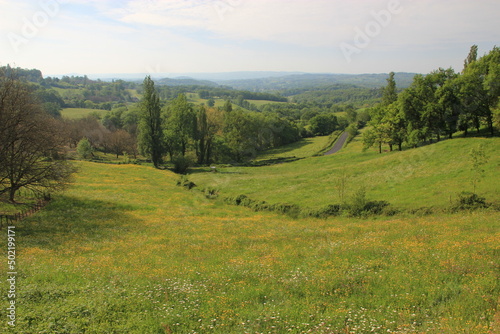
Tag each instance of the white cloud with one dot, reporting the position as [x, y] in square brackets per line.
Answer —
[199, 35]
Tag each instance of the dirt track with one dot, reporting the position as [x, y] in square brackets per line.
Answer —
[338, 144]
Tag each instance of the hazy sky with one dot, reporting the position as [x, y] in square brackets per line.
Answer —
[176, 36]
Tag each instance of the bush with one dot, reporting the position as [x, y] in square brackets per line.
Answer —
[289, 209]
[327, 211]
[211, 193]
[84, 149]
[359, 205]
[422, 211]
[182, 164]
[375, 207]
[356, 206]
[469, 201]
[243, 200]
[184, 182]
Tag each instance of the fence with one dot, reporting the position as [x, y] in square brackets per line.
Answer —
[11, 219]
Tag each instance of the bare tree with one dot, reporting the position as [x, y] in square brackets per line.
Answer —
[120, 142]
[31, 146]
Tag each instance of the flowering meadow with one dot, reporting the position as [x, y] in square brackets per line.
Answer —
[125, 250]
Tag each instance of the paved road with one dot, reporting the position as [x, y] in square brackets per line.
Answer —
[338, 144]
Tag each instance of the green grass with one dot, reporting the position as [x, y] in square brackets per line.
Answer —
[193, 98]
[426, 176]
[126, 251]
[77, 113]
[303, 148]
[260, 103]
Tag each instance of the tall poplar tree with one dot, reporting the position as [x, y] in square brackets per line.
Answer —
[389, 94]
[151, 143]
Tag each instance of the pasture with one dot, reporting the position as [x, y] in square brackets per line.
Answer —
[125, 250]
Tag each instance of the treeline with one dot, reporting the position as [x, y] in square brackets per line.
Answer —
[438, 104]
[74, 91]
[328, 96]
[187, 133]
[230, 93]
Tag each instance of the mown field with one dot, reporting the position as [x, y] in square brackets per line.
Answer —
[77, 113]
[124, 250]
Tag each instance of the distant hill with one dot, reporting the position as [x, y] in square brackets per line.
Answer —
[300, 81]
[184, 81]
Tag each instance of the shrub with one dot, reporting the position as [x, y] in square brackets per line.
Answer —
[181, 164]
[289, 209]
[469, 201]
[422, 211]
[359, 205]
[184, 182]
[375, 207]
[235, 200]
[84, 149]
[327, 211]
[211, 193]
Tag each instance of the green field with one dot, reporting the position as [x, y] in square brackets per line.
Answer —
[193, 98]
[77, 113]
[306, 147]
[124, 250]
[430, 176]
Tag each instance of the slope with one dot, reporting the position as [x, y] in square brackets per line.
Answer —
[126, 251]
[426, 176]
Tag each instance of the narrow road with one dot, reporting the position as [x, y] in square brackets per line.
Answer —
[338, 144]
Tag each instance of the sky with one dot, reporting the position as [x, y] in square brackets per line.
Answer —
[188, 36]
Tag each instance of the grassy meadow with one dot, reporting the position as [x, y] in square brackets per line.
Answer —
[428, 176]
[78, 113]
[304, 148]
[124, 250]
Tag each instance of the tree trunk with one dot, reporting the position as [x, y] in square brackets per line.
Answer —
[490, 123]
[201, 153]
[390, 147]
[12, 194]
[380, 147]
[209, 152]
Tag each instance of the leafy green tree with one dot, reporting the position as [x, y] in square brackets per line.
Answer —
[181, 125]
[323, 124]
[389, 93]
[150, 139]
[228, 106]
[85, 149]
[378, 133]
[395, 126]
[471, 57]
[474, 99]
[449, 100]
[241, 134]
